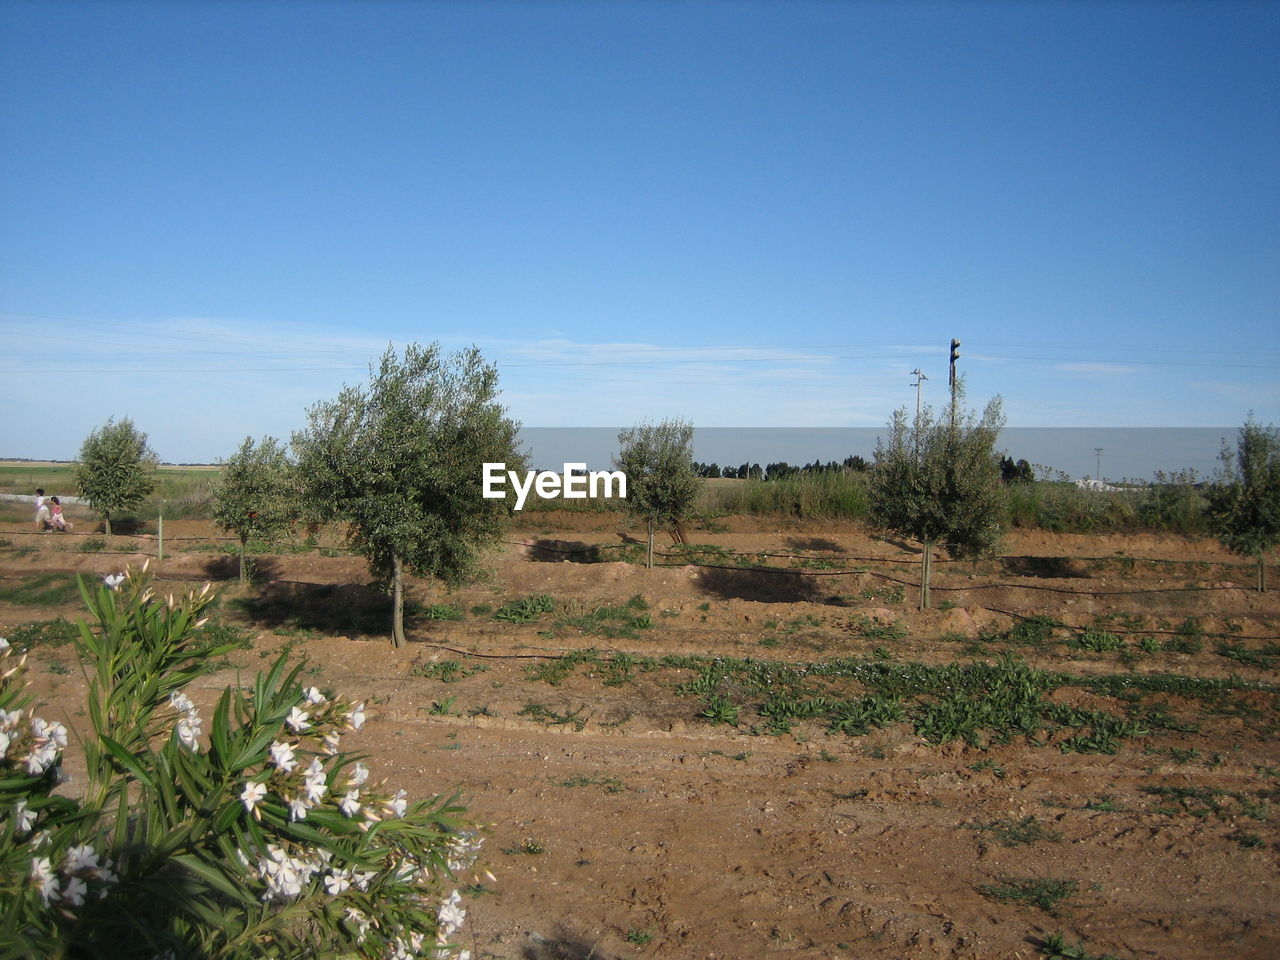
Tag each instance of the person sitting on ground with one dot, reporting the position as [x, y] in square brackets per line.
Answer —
[57, 520]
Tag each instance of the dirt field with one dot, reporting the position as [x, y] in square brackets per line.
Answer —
[626, 824]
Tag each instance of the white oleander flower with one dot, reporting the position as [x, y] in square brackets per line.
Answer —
[451, 916]
[80, 857]
[50, 731]
[189, 731]
[297, 721]
[350, 804]
[315, 781]
[23, 818]
[314, 696]
[356, 716]
[44, 878]
[74, 892]
[107, 874]
[40, 759]
[359, 921]
[338, 881]
[113, 580]
[359, 774]
[282, 756]
[398, 804]
[331, 740]
[252, 794]
[297, 808]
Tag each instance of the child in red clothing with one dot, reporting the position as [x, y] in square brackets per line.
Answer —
[56, 518]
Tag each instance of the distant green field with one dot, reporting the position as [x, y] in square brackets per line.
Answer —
[172, 483]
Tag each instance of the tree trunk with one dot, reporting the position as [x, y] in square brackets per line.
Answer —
[1262, 573]
[244, 565]
[106, 523]
[397, 604]
[649, 562]
[926, 568]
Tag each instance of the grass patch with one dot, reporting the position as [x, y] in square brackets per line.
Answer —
[1205, 801]
[1097, 641]
[640, 937]
[1032, 632]
[442, 611]
[446, 671]
[49, 633]
[41, 590]
[525, 610]
[551, 718]
[1049, 894]
[875, 630]
[1055, 948]
[613, 623]
[1017, 833]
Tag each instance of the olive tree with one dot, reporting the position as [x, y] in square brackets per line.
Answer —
[400, 461]
[937, 481]
[1244, 501]
[116, 470]
[662, 481]
[255, 497]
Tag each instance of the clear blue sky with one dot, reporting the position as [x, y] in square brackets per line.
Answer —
[212, 215]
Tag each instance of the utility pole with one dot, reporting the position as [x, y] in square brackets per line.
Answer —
[1098, 476]
[920, 378]
[955, 355]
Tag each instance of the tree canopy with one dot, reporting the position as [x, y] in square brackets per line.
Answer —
[116, 469]
[662, 481]
[256, 496]
[1244, 501]
[937, 481]
[400, 461]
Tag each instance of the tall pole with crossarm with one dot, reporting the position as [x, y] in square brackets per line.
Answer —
[920, 378]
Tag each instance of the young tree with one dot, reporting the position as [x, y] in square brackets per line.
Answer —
[1244, 501]
[662, 484]
[116, 470]
[401, 463]
[938, 481]
[256, 497]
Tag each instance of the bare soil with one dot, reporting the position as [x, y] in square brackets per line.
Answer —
[624, 825]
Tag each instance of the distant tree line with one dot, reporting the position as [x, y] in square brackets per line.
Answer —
[781, 469]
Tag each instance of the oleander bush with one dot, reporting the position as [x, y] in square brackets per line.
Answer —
[253, 834]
